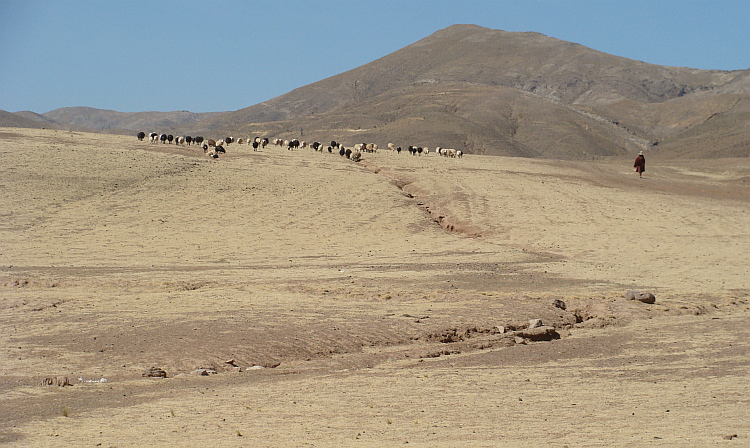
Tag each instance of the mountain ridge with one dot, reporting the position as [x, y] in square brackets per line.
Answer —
[491, 92]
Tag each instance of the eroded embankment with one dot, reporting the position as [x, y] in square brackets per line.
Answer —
[432, 205]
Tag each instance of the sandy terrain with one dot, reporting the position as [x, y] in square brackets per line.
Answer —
[370, 304]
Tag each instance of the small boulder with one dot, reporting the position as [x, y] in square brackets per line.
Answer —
[154, 372]
[645, 297]
[535, 323]
[544, 333]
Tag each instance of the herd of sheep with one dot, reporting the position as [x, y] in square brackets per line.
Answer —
[212, 148]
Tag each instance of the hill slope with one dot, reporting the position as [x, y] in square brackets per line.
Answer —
[496, 92]
[488, 92]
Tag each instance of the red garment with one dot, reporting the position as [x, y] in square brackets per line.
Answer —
[640, 164]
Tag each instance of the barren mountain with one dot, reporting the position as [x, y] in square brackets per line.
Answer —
[507, 93]
[491, 92]
[22, 120]
[87, 117]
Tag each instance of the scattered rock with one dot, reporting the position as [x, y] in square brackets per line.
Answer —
[231, 362]
[255, 368]
[499, 329]
[534, 323]
[57, 381]
[204, 372]
[557, 303]
[519, 340]
[645, 297]
[730, 437]
[544, 333]
[101, 380]
[154, 372]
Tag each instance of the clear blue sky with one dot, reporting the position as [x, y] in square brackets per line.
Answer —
[206, 56]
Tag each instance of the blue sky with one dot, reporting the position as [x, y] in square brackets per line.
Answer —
[207, 56]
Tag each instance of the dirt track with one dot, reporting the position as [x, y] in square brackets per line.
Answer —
[371, 294]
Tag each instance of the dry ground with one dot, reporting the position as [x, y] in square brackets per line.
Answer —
[360, 304]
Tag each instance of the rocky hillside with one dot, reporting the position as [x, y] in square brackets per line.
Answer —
[526, 94]
[490, 92]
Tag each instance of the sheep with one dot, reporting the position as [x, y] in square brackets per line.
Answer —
[211, 142]
[154, 137]
[255, 145]
[163, 138]
[198, 140]
[170, 138]
[292, 144]
[141, 135]
[179, 140]
[356, 156]
[391, 146]
[278, 141]
[348, 153]
[459, 153]
[229, 140]
[398, 150]
[315, 145]
[264, 142]
[342, 151]
[188, 139]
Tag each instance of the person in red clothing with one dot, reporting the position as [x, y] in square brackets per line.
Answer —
[640, 164]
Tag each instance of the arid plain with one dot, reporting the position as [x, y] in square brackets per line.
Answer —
[376, 303]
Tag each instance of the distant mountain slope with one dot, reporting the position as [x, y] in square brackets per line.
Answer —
[88, 118]
[22, 120]
[492, 92]
[98, 119]
[496, 92]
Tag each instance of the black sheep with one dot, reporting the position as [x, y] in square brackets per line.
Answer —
[141, 136]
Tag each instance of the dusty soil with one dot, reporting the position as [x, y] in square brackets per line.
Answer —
[367, 304]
